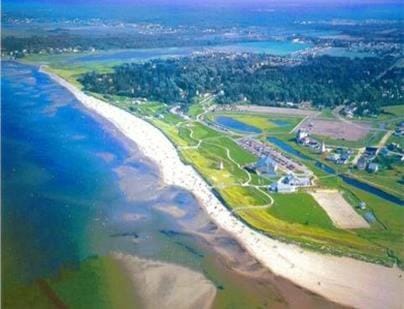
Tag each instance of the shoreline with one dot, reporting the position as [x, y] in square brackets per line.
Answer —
[343, 280]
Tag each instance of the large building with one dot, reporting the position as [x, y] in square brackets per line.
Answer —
[266, 166]
[290, 183]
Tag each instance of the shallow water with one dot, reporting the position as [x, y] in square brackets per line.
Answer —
[73, 188]
[236, 125]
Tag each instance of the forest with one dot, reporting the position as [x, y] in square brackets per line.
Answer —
[328, 81]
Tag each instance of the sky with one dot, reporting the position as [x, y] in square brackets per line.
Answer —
[205, 10]
[213, 2]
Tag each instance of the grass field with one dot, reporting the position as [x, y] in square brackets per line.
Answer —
[304, 211]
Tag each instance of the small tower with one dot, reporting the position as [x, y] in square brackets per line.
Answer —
[221, 165]
[323, 148]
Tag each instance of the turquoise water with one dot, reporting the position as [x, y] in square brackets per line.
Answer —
[236, 125]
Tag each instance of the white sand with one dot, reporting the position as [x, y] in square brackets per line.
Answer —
[340, 212]
[165, 285]
[344, 280]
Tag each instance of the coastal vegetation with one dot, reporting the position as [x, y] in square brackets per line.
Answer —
[257, 79]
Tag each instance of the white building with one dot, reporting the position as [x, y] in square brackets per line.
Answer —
[290, 183]
[302, 135]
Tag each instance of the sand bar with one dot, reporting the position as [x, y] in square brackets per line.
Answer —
[343, 280]
[165, 285]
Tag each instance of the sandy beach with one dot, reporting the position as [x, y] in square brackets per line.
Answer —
[343, 280]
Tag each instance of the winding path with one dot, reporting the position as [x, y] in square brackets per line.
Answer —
[247, 183]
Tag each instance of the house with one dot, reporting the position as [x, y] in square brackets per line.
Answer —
[371, 152]
[362, 163]
[266, 166]
[334, 157]
[373, 167]
[302, 136]
[298, 181]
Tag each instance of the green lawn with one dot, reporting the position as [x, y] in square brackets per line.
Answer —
[195, 109]
[300, 208]
[327, 113]
[392, 111]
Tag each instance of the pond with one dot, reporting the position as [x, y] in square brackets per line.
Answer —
[279, 122]
[236, 125]
[287, 148]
